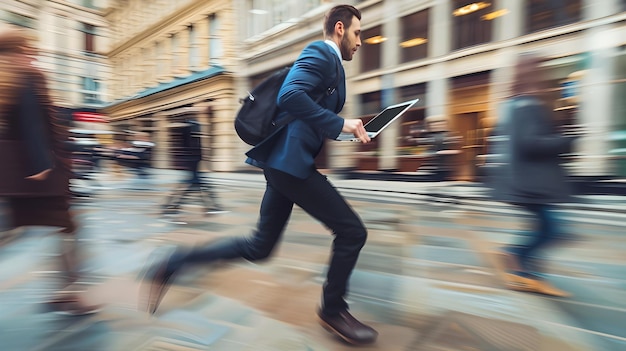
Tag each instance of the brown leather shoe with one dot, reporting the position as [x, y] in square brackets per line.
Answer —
[348, 328]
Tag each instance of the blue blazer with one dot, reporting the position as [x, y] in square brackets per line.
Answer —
[293, 148]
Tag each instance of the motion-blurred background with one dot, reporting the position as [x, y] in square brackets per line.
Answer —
[146, 65]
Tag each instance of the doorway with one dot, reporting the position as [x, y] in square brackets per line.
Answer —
[467, 126]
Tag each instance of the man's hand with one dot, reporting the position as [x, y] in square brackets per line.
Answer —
[355, 126]
[40, 176]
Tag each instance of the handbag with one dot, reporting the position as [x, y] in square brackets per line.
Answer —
[13, 173]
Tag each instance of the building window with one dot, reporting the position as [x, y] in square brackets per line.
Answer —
[124, 83]
[175, 50]
[262, 15]
[17, 19]
[471, 25]
[147, 60]
[89, 4]
[215, 43]
[90, 91]
[258, 18]
[194, 55]
[280, 12]
[370, 51]
[89, 31]
[619, 82]
[544, 14]
[159, 57]
[414, 44]
[116, 82]
[371, 103]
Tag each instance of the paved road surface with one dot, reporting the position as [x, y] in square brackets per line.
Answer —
[425, 279]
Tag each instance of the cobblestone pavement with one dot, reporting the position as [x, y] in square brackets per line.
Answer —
[425, 279]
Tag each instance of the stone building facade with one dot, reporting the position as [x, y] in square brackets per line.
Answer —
[175, 60]
[457, 57]
[72, 45]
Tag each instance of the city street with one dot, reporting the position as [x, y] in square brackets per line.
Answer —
[426, 279]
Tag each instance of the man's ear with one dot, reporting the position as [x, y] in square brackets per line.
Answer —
[339, 28]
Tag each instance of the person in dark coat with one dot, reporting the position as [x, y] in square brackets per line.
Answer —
[191, 159]
[530, 173]
[36, 169]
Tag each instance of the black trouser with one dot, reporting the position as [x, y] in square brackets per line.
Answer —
[317, 197]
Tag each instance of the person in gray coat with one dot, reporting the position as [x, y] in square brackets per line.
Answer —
[531, 173]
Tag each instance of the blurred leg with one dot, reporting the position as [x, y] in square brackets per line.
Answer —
[69, 299]
[69, 255]
[274, 214]
[545, 230]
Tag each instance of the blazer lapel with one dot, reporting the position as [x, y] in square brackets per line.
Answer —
[342, 87]
[341, 82]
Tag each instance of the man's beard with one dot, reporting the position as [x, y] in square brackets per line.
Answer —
[344, 48]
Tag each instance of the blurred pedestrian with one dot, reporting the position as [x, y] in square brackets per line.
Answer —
[287, 159]
[191, 158]
[444, 146]
[35, 160]
[85, 161]
[138, 157]
[530, 173]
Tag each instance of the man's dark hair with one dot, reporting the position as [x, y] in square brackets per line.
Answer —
[343, 13]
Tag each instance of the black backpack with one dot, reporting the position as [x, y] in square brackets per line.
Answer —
[255, 120]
